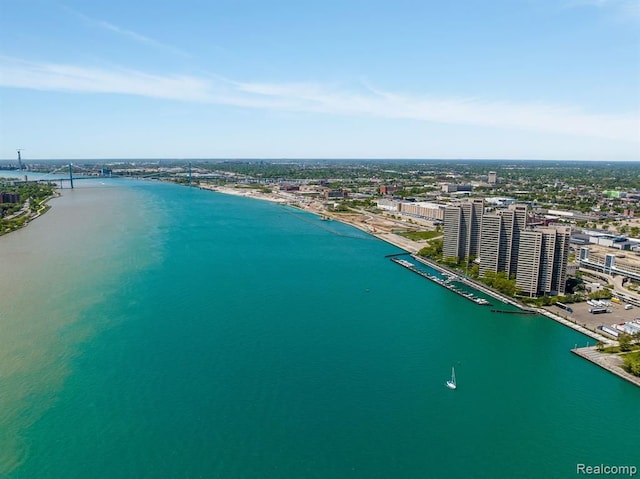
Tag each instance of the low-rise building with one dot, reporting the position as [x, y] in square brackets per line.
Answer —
[423, 209]
[389, 190]
[419, 209]
[387, 204]
[500, 201]
[333, 194]
[454, 188]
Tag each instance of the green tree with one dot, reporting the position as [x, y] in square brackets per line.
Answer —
[451, 261]
[632, 363]
[500, 282]
[474, 272]
[625, 341]
[545, 300]
[433, 249]
[488, 278]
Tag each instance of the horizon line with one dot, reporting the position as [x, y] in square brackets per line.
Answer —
[310, 159]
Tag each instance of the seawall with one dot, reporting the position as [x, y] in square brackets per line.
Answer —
[610, 362]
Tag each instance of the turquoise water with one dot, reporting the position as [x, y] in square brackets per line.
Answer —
[183, 333]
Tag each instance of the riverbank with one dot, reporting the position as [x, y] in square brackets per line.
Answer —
[12, 222]
[381, 229]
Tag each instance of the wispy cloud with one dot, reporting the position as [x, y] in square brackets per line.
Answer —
[623, 9]
[314, 98]
[123, 32]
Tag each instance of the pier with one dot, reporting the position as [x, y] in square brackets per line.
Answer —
[442, 282]
[521, 311]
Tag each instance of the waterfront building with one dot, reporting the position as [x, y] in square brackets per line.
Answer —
[494, 246]
[528, 277]
[504, 242]
[561, 258]
[452, 232]
[500, 234]
[462, 224]
[519, 224]
[418, 209]
[423, 209]
[542, 261]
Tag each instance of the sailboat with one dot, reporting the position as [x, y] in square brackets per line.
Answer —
[451, 384]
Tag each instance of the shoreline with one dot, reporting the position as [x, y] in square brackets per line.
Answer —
[314, 207]
[609, 362]
[412, 249]
[44, 207]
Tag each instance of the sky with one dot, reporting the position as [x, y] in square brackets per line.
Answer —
[232, 79]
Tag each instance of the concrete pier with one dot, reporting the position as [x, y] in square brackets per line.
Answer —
[610, 362]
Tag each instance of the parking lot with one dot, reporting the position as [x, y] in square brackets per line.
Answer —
[582, 316]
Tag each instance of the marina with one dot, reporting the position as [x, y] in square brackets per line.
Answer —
[446, 283]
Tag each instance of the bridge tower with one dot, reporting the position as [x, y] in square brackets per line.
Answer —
[19, 159]
[71, 175]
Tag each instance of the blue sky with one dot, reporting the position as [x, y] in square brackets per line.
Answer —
[520, 79]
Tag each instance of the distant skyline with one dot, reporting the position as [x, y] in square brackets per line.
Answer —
[517, 79]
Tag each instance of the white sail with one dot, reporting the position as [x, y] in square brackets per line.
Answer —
[451, 384]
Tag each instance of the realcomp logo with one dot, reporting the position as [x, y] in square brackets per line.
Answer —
[606, 470]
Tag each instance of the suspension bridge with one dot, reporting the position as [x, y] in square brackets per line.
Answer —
[73, 173]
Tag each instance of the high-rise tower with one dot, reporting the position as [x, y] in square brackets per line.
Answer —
[462, 224]
[543, 255]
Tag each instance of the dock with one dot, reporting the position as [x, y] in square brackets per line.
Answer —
[446, 283]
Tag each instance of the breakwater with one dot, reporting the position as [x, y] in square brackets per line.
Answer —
[520, 311]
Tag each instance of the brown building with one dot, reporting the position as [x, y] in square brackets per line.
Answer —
[389, 190]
